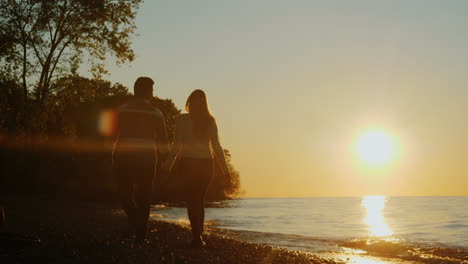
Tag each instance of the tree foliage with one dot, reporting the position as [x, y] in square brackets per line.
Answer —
[44, 100]
[45, 39]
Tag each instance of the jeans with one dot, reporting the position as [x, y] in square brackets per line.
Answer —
[135, 181]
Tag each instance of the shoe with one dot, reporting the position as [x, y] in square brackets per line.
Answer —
[131, 223]
[139, 243]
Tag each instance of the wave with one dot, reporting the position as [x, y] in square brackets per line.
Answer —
[407, 251]
[348, 249]
[338, 228]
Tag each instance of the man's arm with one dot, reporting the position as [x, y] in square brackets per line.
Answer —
[162, 141]
[176, 146]
[115, 133]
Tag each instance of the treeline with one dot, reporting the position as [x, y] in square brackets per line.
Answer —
[54, 122]
[65, 149]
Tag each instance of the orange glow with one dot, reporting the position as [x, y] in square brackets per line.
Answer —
[107, 122]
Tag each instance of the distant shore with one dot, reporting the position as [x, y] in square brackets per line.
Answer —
[42, 230]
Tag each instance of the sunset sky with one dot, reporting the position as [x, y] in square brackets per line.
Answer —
[295, 84]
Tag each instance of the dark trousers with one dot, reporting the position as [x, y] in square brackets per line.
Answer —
[196, 175]
[135, 190]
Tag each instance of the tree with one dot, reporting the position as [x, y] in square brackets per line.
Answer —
[169, 111]
[44, 39]
[76, 100]
[75, 90]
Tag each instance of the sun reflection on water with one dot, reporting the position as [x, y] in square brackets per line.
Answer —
[374, 206]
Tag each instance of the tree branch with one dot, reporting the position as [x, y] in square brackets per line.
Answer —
[51, 72]
[25, 85]
[59, 55]
[38, 55]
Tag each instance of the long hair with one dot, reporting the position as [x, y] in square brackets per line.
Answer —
[197, 107]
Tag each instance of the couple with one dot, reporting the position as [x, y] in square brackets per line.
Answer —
[141, 140]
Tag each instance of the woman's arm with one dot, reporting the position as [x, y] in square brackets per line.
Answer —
[218, 150]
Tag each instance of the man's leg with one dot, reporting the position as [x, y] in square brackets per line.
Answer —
[143, 201]
[126, 197]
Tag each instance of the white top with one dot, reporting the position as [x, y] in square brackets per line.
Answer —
[188, 145]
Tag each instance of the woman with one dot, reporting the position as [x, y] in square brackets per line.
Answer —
[196, 134]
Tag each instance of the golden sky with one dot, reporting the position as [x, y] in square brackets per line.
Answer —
[293, 85]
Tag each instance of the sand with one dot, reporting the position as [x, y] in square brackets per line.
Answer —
[45, 230]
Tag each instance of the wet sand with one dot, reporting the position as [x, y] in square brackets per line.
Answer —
[59, 231]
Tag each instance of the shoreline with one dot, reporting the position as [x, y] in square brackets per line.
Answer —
[351, 249]
[84, 232]
[74, 231]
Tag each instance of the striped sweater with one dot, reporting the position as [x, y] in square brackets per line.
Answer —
[141, 129]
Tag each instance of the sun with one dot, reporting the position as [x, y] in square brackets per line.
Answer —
[375, 147]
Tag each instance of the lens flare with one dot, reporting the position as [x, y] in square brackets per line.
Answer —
[107, 122]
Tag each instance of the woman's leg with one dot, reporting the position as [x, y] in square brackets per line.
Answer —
[193, 211]
[197, 175]
[187, 173]
[196, 203]
[199, 207]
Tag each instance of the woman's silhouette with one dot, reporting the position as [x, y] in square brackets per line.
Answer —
[196, 143]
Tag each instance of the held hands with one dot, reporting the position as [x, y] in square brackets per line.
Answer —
[167, 165]
[164, 176]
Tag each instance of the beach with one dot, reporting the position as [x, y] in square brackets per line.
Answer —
[58, 230]
[354, 230]
[46, 230]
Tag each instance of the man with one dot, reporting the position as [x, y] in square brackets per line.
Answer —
[140, 138]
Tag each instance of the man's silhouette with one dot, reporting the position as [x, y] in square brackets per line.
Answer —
[140, 138]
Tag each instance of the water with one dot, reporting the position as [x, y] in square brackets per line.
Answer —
[403, 227]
